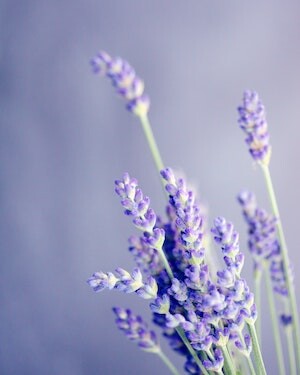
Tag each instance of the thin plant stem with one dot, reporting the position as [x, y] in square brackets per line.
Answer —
[152, 142]
[250, 364]
[248, 357]
[275, 325]
[256, 349]
[285, 258]
[289, 337]
[183, 337]
[179, 330]
[228, 364]
[166, 264]
[167, 362]
[159, 165]
[257, 294]
[291, 350]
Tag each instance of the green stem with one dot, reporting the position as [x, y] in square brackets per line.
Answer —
[290, 341]
[228, 364]
[285, 259]
[291, 350]
[183, 337]
[250, 364]
[151, 142]
[159, 165]
[256, 349]
[275, 325]
[168, 363]
[257, 293]
[166, 263]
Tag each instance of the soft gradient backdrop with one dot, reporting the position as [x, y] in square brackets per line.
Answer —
[65, 137]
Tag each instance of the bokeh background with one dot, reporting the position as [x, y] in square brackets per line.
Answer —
[65, 137]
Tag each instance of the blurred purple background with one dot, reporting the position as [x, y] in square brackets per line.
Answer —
[65, 137]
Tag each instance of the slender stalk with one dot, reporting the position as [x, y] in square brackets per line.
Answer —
[166, 264]
[247, 356]
[151, 142]
[167, 362]
[183, 337]
[257, 294]
[275, 325]
[285, 258]
[256, 349]
[291, 350]
[228, 364]
[250, 364]
[290, 342]
[159, 165]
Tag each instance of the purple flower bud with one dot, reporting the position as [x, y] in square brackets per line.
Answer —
[286, 320]
[161, 305]
[178, 290]
[100, 281]
[173, 321]
[149, 289]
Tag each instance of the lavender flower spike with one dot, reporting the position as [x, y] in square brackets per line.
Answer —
[135, 203]
[125, 282]
[253, 121]
[136, 330]
[125, 80]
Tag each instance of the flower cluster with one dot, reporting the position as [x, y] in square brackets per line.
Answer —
[253, 121]
[124, 79]
[211, 314]
[207, 315]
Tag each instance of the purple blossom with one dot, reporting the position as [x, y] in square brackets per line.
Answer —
[253, 122]
[136, 330]
[161, 305]
[125, 282]
[124, 79]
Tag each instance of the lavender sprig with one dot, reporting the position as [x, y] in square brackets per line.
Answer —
[188, 221]
[129, 86]
[238, 294]
[253, 121]
[144, 218]
[264, 246]
[262, 240]
[123, 77]
[125, 282]
[136, 330]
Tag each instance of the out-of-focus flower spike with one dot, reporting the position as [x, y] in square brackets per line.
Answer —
[253, 121]
[136, 330]
[124, 79]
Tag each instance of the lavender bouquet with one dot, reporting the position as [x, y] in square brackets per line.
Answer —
[208, 315]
